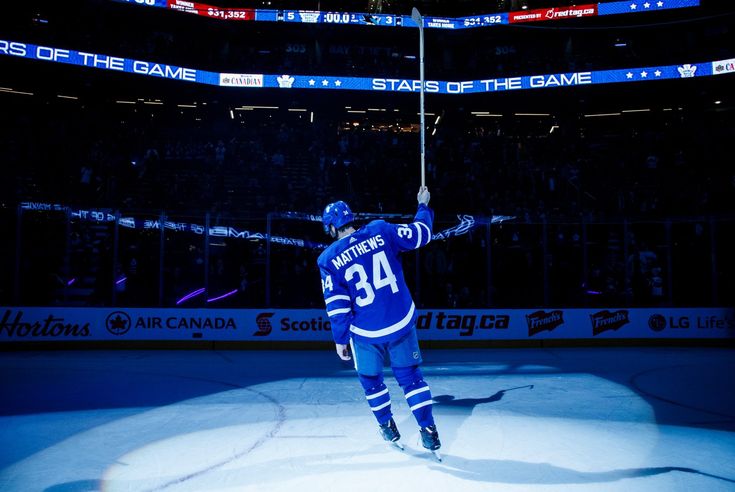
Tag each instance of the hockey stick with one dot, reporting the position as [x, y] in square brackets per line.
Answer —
[416, 17]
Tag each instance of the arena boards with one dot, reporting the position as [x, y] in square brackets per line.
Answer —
[47, 324]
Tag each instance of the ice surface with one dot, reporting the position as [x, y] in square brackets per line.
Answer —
[593, 419]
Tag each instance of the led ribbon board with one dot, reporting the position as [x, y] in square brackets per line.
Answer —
[104, 216]
[465, 224]
[329, 82]
[388, 20]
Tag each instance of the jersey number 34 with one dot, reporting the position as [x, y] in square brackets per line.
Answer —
[382, 277]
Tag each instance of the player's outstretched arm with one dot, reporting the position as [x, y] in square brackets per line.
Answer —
[418, 233]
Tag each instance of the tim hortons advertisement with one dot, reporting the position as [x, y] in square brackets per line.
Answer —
[19, 324]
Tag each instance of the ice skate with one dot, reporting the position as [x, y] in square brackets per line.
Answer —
[430, 440]
[390, 433]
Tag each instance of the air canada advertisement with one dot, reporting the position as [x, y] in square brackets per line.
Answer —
[78, 324]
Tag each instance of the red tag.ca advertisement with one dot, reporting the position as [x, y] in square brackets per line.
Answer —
[553, 13]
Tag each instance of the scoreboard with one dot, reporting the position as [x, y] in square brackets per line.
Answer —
[389, 20]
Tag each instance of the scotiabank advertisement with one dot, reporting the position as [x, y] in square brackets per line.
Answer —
[312, 325]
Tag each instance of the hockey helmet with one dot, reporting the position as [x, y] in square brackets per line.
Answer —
[337, 214]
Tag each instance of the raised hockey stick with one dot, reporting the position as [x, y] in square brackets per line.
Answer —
[416, 17]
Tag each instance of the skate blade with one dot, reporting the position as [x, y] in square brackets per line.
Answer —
[437, 456]
[398, 445]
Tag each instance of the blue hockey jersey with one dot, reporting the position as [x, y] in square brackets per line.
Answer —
[362, 279]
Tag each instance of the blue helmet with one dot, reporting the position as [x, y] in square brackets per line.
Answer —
[337, 214]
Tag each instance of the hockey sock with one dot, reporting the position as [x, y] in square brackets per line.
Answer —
[418, 394]
[377, 396]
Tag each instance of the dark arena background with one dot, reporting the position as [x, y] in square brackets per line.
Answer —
[165, 168]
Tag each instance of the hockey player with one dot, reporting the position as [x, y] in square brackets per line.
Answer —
[371, 310]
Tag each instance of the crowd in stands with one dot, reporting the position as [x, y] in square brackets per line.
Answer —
[645, 166]
[641, 168]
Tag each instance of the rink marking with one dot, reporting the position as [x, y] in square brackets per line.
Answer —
[336, 436]
[633, 381]
[280, 420]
